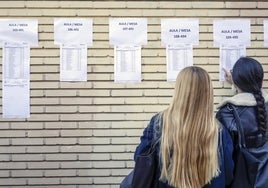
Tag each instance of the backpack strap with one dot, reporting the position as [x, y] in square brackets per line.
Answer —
[251, 141]
[241, 135]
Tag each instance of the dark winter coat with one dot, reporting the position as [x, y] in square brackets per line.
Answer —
[152, 133]
[245, 105]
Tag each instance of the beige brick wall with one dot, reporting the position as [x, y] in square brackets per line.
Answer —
[83, 134]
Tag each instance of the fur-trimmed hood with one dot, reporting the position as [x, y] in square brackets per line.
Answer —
[243, 99]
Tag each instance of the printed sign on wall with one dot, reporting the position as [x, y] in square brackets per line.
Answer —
[232, 36]
[127, 35]
[265, 31]
[16, 37]
[73, 35]
[179, 36]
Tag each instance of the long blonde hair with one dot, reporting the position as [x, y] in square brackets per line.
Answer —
[190, 134]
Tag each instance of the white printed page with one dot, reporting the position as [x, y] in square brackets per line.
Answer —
[73, 63]
[228, 56]
[16, 81]
[179, 30]
[19, 31]
[178, 57]
[127, 64]
[231, 31]
[73, 31]
[128, 31]
[265, 32]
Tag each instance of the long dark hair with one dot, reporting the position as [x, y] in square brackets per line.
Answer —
[248, 74]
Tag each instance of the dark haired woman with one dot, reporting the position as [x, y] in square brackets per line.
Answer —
[251, 103]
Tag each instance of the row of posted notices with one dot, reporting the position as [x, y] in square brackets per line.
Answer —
[127, 35]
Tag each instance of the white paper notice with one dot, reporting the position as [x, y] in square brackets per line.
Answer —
[16, 82]
[265, 28]
[127, 64]
[228, 56]
[73, 31]
[128, 31]
[178, 57]
[73, 63]
[232, 31]
[19, 31]
[180, 30]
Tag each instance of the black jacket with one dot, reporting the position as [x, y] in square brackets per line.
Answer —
[245, 105]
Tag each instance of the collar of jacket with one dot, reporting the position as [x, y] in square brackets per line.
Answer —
[242, 99]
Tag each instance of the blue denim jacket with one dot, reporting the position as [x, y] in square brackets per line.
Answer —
[152, 133]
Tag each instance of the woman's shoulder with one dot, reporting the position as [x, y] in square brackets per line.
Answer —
[224, 110]
[240, 99]
[155, 125]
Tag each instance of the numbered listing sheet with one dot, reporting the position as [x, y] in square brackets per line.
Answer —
[16, 81]
[73, 63]
[19, 31]
[178, 57]
[128, 31]
[179, 30]
[73, 35]
[228, 56]
[127, 64]
[73, 31]
[231, 32]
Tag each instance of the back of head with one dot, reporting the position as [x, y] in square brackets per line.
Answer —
[247, 74]
[193, 92]
[189, 130]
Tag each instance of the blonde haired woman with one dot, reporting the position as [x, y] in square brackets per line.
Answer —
[193, 149]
